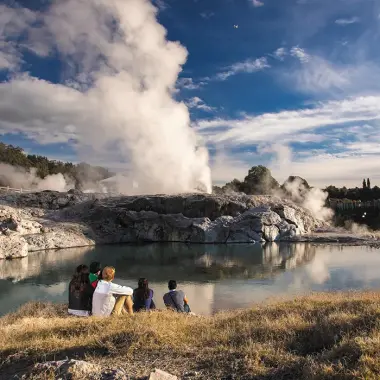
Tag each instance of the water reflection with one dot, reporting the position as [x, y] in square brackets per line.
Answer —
[189, 262]
[213, 276]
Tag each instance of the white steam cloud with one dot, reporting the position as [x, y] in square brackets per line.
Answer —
[118, 100]
[313, 199]
[361, 230]
[20, 178]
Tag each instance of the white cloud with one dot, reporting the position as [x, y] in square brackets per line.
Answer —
[42, 110]
[198, 103]
[160, 4]
[10, 59]
[331, 125]
[299, 53]
[13, 21]
[304, 138]
[365, 148]
[225, 167]
[257, 3]
[284, 124]
[347, 21]
[323, 170]
[189, 84]
[248, 66]
[280, 53]
[318, 168]
[207, 14]
[317, 75]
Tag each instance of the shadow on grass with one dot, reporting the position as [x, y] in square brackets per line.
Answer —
[325, 334]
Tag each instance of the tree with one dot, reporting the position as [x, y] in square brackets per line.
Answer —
[368, 184]
[364, 184]
[233, 186]
[259, 181]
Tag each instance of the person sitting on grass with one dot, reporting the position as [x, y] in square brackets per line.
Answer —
[95, 273]
[104, 302]
[143, 296]
[176, 299]
[79, 293]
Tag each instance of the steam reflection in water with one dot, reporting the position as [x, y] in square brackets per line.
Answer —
[214, 277]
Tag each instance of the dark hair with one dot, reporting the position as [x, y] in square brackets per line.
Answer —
[81, 269]
[172, 284]
[79, 283]
[95, 267]
[143, 290]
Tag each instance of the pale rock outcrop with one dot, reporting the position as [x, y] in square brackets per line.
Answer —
[76, 369]
[57, 238]
[158, 374]
[13, 246]
[18, 220]
[50, 220]
[80, 369]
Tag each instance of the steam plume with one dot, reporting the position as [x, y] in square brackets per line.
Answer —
[20, 178]
[361, 230]
[118, 100]
[313, 199]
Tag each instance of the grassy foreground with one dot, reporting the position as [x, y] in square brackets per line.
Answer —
[321, 336]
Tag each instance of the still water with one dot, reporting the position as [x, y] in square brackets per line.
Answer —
[214, 277]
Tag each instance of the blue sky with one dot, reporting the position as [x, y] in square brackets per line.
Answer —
[292, 84]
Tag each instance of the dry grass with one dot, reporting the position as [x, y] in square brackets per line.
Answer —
[322, 336]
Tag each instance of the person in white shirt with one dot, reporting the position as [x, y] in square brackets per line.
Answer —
[104, 302]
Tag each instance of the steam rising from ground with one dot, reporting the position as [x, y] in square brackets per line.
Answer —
[118, 101]
[361, 230]
[20, 178]
[312, 199]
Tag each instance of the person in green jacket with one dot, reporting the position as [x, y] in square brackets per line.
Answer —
[95, 273]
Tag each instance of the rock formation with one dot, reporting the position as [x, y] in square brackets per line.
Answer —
[49, 220]
[79, 369]
[75, 369]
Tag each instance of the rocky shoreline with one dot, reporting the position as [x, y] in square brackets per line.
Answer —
[53, 220]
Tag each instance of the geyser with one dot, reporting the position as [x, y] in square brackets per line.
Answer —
[117, 101]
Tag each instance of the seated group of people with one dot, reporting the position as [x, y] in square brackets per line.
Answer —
[92, 292]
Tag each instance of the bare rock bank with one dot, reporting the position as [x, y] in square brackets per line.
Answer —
[50, 220]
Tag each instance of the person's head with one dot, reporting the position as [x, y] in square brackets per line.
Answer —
[108, 274]
[79, 282]
[143, 283]
[82, 269]
[95, 267]
[172, 284]
[143, 288]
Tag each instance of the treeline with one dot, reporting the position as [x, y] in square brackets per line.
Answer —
[364, 193]
[79, 173]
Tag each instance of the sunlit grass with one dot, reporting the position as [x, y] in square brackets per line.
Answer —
[321, 336]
